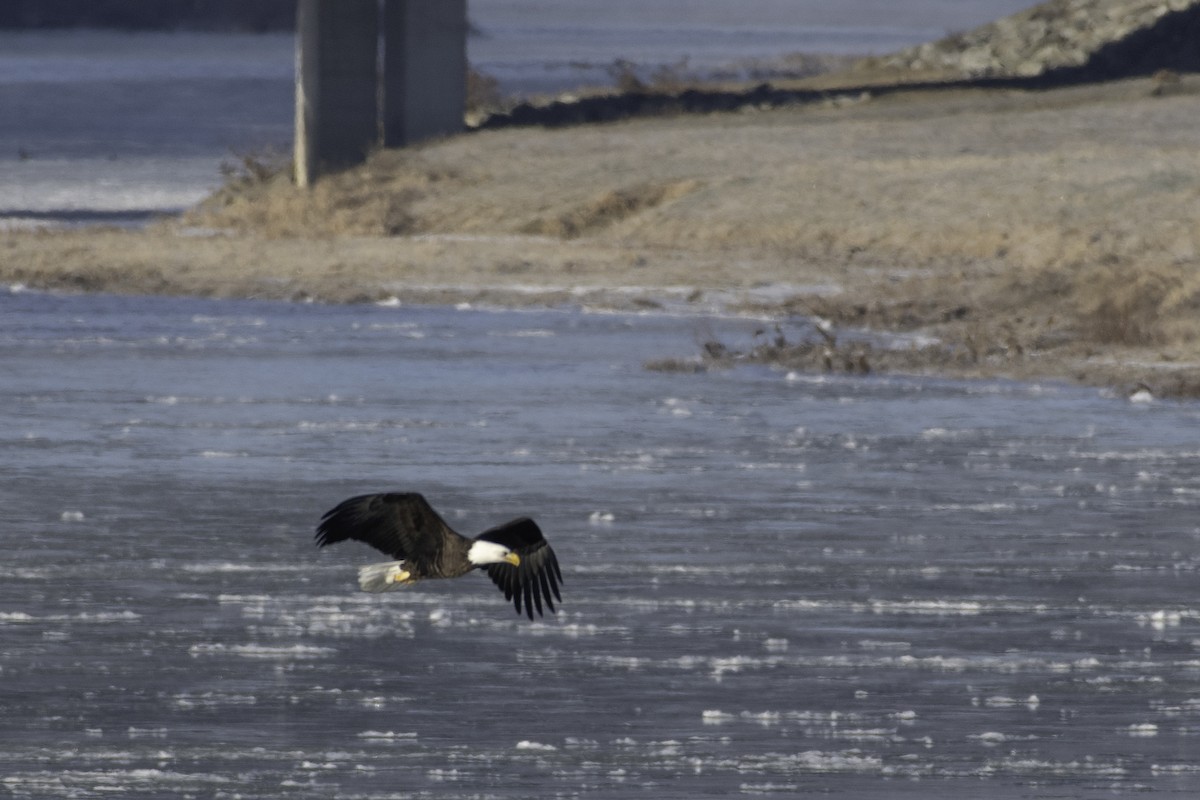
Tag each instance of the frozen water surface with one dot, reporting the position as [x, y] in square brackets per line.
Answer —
[870, 587]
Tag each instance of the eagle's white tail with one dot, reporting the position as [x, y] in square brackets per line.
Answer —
[384, 577]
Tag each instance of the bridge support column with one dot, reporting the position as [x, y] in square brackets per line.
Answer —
[424, 69]
[342, 107]
[337, 46]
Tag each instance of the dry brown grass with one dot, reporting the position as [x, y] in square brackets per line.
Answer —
[608, 208]
[374, 200]
[1125, 307]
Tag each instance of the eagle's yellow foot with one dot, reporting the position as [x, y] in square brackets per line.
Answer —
[399, 577]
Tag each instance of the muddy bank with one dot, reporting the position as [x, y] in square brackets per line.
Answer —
[1026, 233]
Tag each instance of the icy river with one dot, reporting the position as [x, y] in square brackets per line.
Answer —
[774, 583]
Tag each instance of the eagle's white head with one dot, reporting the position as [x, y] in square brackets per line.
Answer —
[484, 552]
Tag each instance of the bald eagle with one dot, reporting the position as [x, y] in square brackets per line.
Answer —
[514, 555]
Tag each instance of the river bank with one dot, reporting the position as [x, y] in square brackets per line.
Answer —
[1046, 234]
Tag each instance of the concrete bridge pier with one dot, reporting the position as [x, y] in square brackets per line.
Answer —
[424, 69]
[336, 84]
[372, 72]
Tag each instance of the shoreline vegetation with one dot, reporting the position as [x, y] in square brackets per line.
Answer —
[980, 230]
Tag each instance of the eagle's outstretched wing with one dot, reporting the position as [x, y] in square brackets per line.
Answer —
[535, 581]
[403, 525]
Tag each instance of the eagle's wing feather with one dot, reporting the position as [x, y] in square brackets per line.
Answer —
[535, 581]
[403, 525]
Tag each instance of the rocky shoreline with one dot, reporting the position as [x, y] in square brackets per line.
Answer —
[1064, 41]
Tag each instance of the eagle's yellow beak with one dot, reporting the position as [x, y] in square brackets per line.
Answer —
[513, 559]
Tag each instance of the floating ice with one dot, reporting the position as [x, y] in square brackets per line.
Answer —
[1000, 702]
[811, 761]
[530, 333]
[146, 733]
[296, 651]
[99, 616]
[574, 630]
[768, 788]
[205, 567]
[1161, 619]
[875, 644]
[107, 782]
[764, 718]
[388, 736]
[1175, 769]
[677, 407]
[189, 700]
[1036, 766]
[936, 607]
[990, 738]
[526, 744]
[71, 516]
